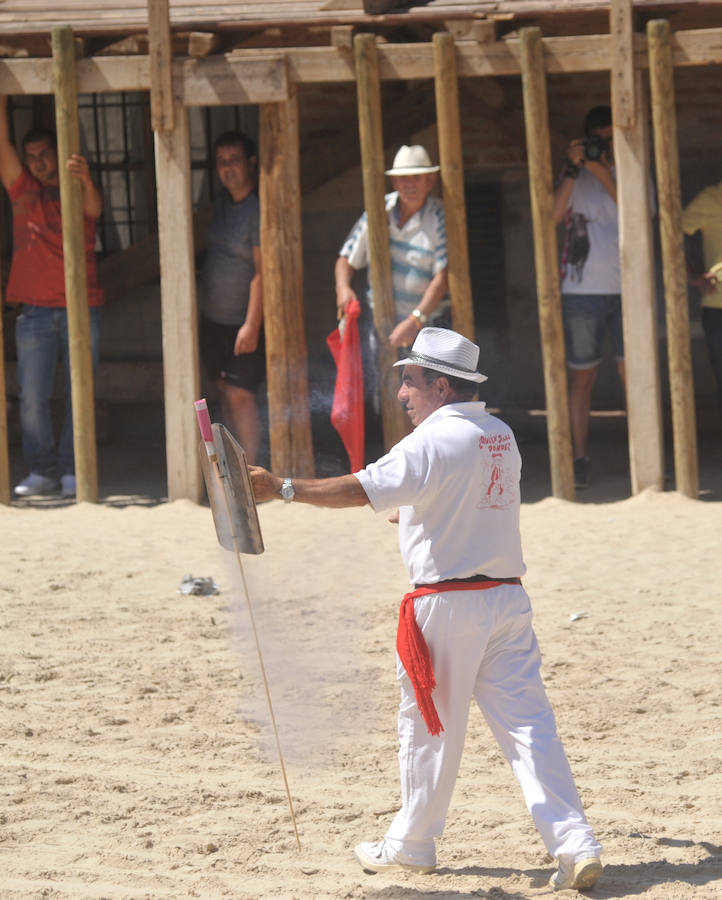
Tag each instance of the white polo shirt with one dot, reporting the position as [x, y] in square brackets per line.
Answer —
[455, 479]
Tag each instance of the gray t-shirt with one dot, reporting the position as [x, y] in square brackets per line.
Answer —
[228, 267]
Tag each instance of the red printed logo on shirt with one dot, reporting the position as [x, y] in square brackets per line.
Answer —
[499, 488]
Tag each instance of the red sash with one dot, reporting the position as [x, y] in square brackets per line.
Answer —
[412, 649]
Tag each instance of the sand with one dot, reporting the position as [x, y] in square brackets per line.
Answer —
[136, 753]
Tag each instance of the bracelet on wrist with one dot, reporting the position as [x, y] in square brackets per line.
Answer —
[570, 170]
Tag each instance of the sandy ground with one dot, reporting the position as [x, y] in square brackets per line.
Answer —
[137, 757]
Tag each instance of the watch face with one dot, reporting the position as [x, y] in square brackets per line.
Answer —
[287, 492]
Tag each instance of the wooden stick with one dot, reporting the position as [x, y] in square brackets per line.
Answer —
[181, 373]
[452, 179]
[639, 307]
[368, 89]
[536, 118]
[76, 287]
[282, 263]
[160, 55]
[684, 427]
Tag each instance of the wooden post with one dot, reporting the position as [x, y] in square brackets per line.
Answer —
[639, 309]
[282, 258]
[536, 119]
[76, 282]
[368, 88]
[4, 452]
[160, 55]
[181, 381]
[452, 179]
[661, 80]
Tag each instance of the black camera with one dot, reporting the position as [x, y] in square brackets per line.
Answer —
[595, 147]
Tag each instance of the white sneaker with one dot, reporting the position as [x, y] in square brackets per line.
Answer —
[378, 857]
[67, 485]
[36, 484]
[578, 876]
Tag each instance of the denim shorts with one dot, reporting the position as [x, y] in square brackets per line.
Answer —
[586, 318]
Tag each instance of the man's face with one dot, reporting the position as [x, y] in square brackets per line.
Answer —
[234, 170]
[413, 190]
[419, 398]
[41, 158]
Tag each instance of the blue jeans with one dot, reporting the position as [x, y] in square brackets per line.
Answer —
[41, 334]
[586, 319]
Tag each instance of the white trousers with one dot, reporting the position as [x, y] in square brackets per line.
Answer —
[482, 645]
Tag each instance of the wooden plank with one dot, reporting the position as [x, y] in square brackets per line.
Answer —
[203, 43]
[160, 53]
[283, 313]
[368, 91]
[541, 187]
[684, 427]
[179, 317]
[224, 80]
[76, 282]
[639, 309]
[452, 179]
[255, 77]
[622, 75]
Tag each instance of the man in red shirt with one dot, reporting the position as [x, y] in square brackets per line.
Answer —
[37, 281]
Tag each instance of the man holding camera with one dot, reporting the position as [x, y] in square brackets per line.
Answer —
[586, 201]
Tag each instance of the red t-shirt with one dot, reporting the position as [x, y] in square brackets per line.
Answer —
[37, 272]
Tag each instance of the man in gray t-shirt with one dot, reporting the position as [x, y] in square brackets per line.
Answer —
[231, 328]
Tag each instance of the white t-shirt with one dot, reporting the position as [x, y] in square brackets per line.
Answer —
[591, 247]
[455, 479]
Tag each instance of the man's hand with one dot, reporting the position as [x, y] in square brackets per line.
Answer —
[576, 152]
[706, 283]
[246, 340]
[78, 167]
[265, 485]
[405, 333]
[344, 295]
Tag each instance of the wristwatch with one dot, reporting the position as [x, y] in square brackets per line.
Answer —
[421, 319]
[287, 490]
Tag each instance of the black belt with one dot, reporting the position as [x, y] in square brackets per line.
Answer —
[515, 580]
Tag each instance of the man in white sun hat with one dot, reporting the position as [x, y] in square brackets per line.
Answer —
[417, 233]
[465, 629]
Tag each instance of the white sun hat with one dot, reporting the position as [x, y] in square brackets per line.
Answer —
[412, 160]
[444, 351]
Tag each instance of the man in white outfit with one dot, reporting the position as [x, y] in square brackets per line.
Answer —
[465, 630]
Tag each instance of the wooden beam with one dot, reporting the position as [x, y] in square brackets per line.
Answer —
[536, 119]
[684, 427]
[622, 75]
[224, 80]
[76, 282]
[203, 43]
[368, 91]
[452, 179]
[179, 317]
[283, 312]
[160, 52]
[323, 65]
[639, 308]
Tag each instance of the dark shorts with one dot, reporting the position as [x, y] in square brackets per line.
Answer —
[586, 319]
[216, 342]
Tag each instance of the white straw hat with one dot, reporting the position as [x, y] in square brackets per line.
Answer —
[412, 160]
[444, 351]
